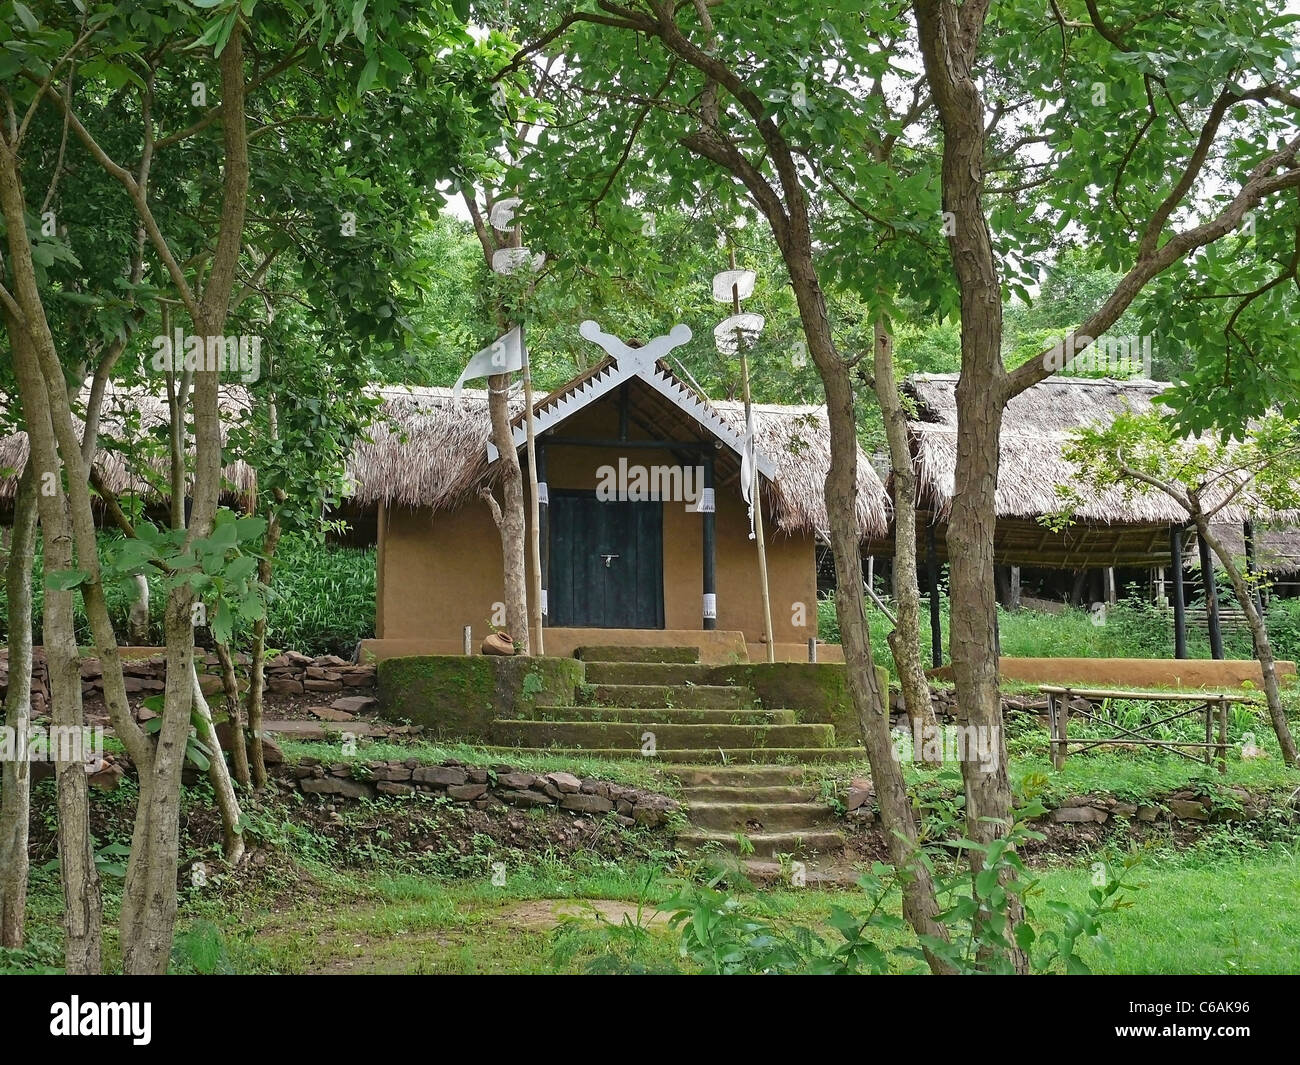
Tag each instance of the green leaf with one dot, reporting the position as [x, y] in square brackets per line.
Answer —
[249, 528]
[25, 14]
[368, 75]
[227, 25]
[241, 568]
[65, 580]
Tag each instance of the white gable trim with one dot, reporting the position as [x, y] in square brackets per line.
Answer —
[613, 376]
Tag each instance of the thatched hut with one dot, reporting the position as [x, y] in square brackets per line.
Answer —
[132, 423]
[1107, 529]
[643, 524]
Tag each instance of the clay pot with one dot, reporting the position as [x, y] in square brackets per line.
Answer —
[498, 643]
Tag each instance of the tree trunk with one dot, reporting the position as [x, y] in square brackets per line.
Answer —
[949, 41]
[1259, 632]
[219, 775]
[82, 912]
[15, 802]
[257, 668]
[234, 715]
[510, 516]
[82, 905]
[905, 637]
[920, 906]
[137, 622]
[149, 895]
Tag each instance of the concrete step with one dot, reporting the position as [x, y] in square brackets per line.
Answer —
[760, 817]
[765, 844]
[699, 696]
[632, 734]
[722, 776]
[775, 793]
[638, 654]
[647, 673]
[692, 756]
[678, 715]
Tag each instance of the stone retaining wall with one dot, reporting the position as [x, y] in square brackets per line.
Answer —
[290, 673]
[498, 785]
[1183, 804]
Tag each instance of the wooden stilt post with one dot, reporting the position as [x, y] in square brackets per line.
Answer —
[1252, 563]
[1223, 735]
[1180, 606]
[932, 572]
[1211, 600]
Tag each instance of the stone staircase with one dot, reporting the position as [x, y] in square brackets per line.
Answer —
[774, 807]
[739, 765]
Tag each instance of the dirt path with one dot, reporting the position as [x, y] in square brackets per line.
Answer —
[547, 913]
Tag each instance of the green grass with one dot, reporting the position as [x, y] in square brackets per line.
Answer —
[1225, 916]
[1134, 628]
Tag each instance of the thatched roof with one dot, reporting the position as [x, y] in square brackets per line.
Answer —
[1057, 405]
[427, 451]
[1031, 470]
[1033, 467]
[118, 428]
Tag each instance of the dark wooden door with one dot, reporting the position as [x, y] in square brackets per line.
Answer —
[606, 563]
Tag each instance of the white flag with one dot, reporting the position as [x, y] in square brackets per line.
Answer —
[748, 467]
[742, 281]
[731, 332]
[504, 355]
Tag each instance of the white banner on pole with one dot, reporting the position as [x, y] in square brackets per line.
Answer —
[502, 215]
[740, 280]
[511, 260]
[748, 467]
[503, 355]
[747, 325]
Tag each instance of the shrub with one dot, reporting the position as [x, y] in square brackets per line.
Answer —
[322, 601]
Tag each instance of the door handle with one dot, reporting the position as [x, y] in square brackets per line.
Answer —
[609, 560]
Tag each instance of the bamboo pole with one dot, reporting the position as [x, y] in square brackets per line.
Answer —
[755, 489]
[756, 495]
[534, 507]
